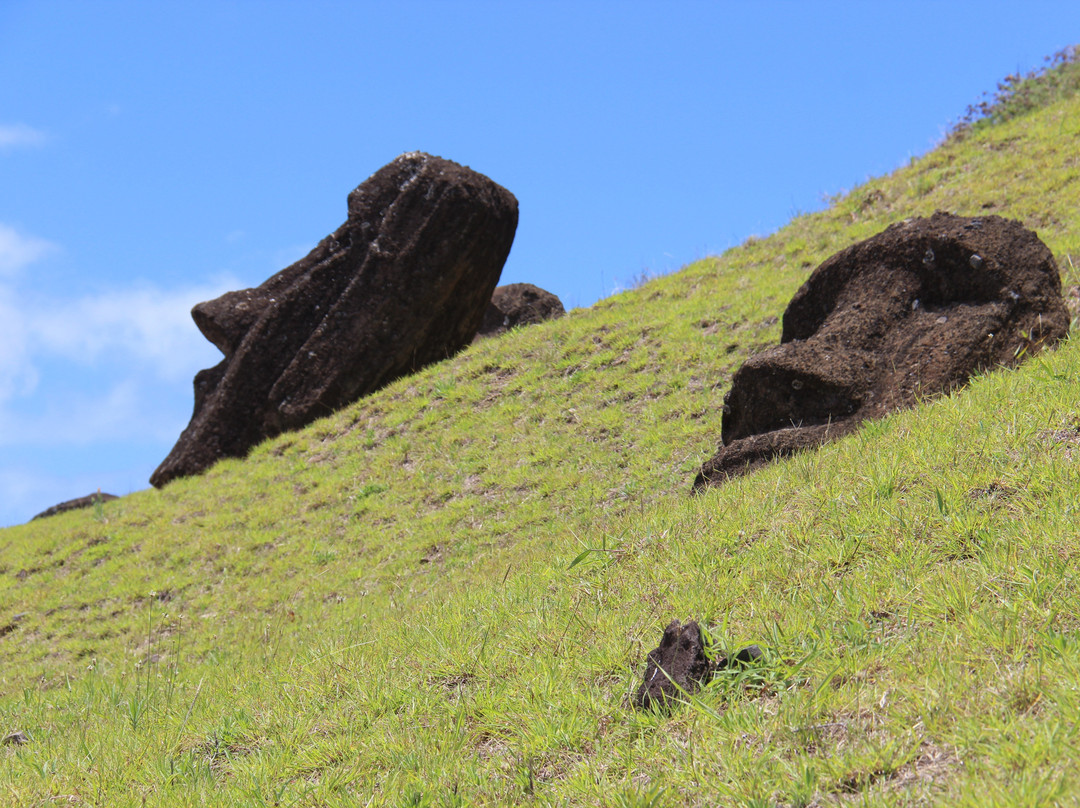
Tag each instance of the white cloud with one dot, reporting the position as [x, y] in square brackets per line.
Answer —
[100, 375]
[19, 134]
[17, 373]
[18, 251]
[145, 323]
[142, 330]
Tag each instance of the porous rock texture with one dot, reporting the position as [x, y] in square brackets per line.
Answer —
[518, 304]
[679, 662]
[679, 665]
[403, 283]
[909, 313]
[74, 504]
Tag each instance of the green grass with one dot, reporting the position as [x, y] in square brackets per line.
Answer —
[1057, 79]
[383, 608]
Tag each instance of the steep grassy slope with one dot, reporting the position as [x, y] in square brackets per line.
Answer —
[382, 609]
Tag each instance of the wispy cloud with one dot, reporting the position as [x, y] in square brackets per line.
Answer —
[109, 373]
[19, 134]
[17, 374]
[18, 251]
[148, 324]
[143, 331]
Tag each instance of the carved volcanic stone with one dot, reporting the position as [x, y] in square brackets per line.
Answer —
[519, 304]
[403, 283]
[910, 313]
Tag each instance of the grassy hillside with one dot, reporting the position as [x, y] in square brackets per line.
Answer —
[384, 609]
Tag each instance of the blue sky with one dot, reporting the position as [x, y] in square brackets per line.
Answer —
[153, 155]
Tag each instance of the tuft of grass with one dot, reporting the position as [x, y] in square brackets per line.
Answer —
[1019, 94]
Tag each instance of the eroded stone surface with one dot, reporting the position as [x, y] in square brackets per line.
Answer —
[403, 283]
[909, 313]
[519, 304]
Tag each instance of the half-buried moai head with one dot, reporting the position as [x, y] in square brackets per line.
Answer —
[518, 304]
[403, 283]
[910, 313]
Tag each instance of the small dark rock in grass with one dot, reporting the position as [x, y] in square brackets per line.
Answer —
[519, 304]
[73, 504]
[681, 655]
[743, 657]
[404, 282]
[13, 624]
[913, 312]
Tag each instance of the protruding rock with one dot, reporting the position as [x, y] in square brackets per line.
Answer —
[743, 657]
[677, 664]
[910, 313]
[73, 504]
[403, 283]
[519, 304]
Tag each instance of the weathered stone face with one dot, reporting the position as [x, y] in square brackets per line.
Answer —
[910, 313]
[518, 304]
[403, 283]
